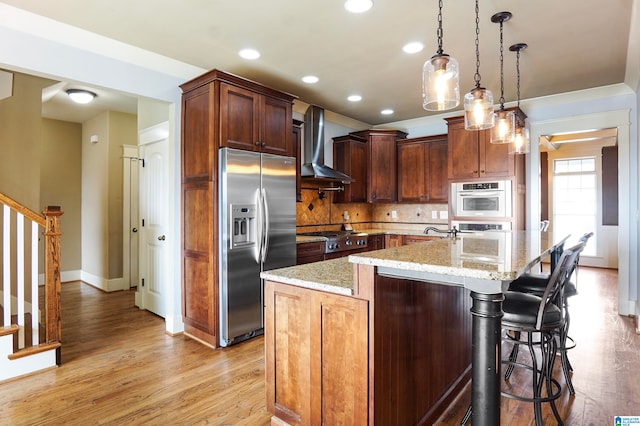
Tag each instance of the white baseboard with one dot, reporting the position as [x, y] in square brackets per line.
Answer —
[104, 284]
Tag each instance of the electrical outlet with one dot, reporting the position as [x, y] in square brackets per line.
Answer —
[434, 214]
[394, 214]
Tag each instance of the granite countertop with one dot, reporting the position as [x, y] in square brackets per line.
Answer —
[480, 261]
[334, 276]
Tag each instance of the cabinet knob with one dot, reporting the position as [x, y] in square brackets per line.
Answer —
[257, 143]
[263, 144]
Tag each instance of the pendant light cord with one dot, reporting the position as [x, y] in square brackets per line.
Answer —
[518, 75]
[501, 69]
[439, 32]
[477, 75]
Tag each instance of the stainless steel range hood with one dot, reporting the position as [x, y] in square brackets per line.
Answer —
[314, 166]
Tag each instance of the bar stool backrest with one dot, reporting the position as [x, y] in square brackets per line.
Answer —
[560, 275]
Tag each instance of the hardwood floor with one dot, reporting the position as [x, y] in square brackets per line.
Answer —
[120, 368]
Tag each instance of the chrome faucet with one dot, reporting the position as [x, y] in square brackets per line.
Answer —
[452, 232]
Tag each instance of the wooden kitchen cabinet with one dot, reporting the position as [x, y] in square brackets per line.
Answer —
[255, 121]
[316, 341]
[381, 164]
[350, 157]
[376, 242]
[422, 169]
[473, 156]
[309, 252]
[392, 240]
[218, 109]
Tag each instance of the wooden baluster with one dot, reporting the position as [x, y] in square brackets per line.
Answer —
[52, 276]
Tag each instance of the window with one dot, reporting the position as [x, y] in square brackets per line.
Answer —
[575, 198]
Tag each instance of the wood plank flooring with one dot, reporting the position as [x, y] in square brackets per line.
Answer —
[120, 368]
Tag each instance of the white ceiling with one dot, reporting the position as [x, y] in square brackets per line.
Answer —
[573, 44]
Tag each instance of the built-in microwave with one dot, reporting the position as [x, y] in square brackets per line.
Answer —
[481, 199]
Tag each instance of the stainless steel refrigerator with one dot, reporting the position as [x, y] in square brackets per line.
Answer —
[257, 233]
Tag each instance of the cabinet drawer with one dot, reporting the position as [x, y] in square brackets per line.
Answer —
[309, 252]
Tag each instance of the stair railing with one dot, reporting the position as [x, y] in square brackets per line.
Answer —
[21, 229]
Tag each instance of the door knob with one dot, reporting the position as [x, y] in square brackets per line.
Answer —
[161, 238]
[134, 230]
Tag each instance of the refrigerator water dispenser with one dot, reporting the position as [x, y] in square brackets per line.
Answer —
[243, 223]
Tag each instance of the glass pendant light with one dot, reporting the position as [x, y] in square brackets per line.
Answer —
[440, 76]
[521, 142]
[478, 102]
[505, 121]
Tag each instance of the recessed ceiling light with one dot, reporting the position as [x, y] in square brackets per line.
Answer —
[81, 96]
[354, 98]
[413, 47]
[249, 54]
[358, 6]
[310, 79]
[386, 112]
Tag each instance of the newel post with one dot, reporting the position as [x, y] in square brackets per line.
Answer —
[52, 274]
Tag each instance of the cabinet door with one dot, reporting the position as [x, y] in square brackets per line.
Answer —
[275, 127]
[495, 160]
[349, 157]
[297, 146]
[437, 172]
[239, 118]
[382, 169]
[392, 241]
[463, 152]
[412, 175]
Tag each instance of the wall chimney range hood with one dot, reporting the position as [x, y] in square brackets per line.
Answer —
[314, 166]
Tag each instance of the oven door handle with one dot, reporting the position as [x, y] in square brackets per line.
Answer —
[481, 194]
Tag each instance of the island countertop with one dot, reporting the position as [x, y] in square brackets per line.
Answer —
[481, 261]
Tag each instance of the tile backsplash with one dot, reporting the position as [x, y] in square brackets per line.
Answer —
[317, 211]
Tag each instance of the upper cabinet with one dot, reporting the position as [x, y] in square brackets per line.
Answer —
[473, 156]
[255, 121]
[350, 157]
[381, 164]
[422, 170]
[297, 146]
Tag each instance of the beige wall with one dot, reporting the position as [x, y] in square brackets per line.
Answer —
[60, 173]
[102, 192]
[20, 139]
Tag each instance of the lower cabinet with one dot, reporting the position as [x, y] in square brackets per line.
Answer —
[316, 356]
[309, 252]
[392, 240]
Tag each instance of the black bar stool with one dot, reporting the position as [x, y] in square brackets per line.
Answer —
[532, 315]
[535, 284]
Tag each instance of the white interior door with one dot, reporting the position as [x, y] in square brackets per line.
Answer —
[153, 228]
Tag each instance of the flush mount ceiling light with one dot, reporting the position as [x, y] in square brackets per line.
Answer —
[386, 112]
[310, 79]
[354, 98]
[440, 76]
[521, 142]
[358, 6]
[478, 102]
[505, 121]
[81, 96]
[413, 47]
[249, 54]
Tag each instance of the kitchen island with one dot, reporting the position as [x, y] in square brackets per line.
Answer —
[386, 337]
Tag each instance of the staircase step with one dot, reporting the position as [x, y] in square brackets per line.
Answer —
[12, 329]
[42, 347]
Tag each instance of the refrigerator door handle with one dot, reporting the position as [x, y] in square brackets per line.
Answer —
[265, 225]
[257, 253]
